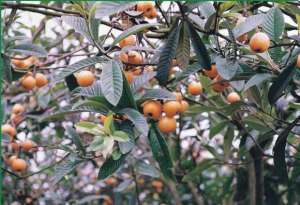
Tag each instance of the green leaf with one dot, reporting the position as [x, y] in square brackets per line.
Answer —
[282, 81]
[104, 145]
[112, 81]
[159, 94]
[43, 99]
[104, 9]
[7, 69]
[141, 80]
[133, 30]
[279, 152]
[110, 166]
[191, 69]
[94, 24]
[137, 119]
[226, 68]
[249, 24]
[127, 99]
[75, 138]
[89, 127]
[217, 128]
[160, 151]
[201, 52]
[228, 138]
[194, 175]
[146, 169]
[273, 23]
[167, 54]
[90, 91]
[109, 124]
[120, 136]
[96, 144]
[65, 167]
[87, 62]
[29, 49]
[183, 49]
[79, 25]
[256, 80]
[92, 106]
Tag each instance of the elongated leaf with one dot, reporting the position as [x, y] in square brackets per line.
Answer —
[65, 167]
[120, 136]
[79, 25]
[194, 175]
[92, 105]
[282, 81]
[110, 166]
[141, 80]
[159, 94]
[226, 68]
[146, 169]
[78, 66]
[7, 69]
[127, 99]
[191, 69]
[228, 138]
[91, 91]
[90, 127]
[167, 54]
[273, 23]
[160, 151]
[75, 138]
[257, 79]
[248, 25]
[133, 30]
[29, 49]
[199, 47]
[183, 49]
[217, 128]
[112, 81]
[104, 9]
[137, 119]
[279, 152]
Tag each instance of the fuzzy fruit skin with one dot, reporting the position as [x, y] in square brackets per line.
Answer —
[298, 61]
[9, 130]
[135, 57]
[18, 109]
[129, 76]
[259, 42]
[151, 14]
[11, 159]
[195, 88]
[123, 57]
[41, 80]
[27, 145]
[233, 97]
[152, 109]
[171, 108]
[167, 124]
[85, 78]
[18, 165]
[212, 73]
[28, 82]
[184, 106]
[144, 7]
[128, 41]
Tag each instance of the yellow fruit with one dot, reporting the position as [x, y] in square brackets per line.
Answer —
[178, 96]
[16, 119]
[233, 97]
[171, 108]
[152, 109]
[243, 38]
[18, 109]
[28, 82]
[41, 80]
[11, 159]
[9, 130]
[212, 73]
[219, 86]
[128, 41]
[27, 145]
[129, 76]
[259, 42]
[123, 57]
[135, 57]
[195, 88]
[144, 7]
[184, 106]
[167, 124]
[85, 78]
[18, 165]
[151, 14]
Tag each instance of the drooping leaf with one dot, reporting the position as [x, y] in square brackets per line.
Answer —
[92, 105]
[146, 169]
[120, 136]
[75, 138]
[160, 151]
[159, 94]
[248, 25]
[109, 124]
[217, 128]
[141, 80]
[273, 23]
[281, 82]
[112, 81]
[167, 54]
[137, 119]
[257, 79]
[90, 91]
[191, 69]
[29, 49]
[104, 9]
[194, 175]
[78, 66]
[133, 30]
[79, 25]
[183, 49]
[90, 127]
[226, 68]
[228, 138]
[65, 167]
[110, 166]
[127, 99]
[199, 48]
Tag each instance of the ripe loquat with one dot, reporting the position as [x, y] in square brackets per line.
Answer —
[28, 82]
[171, 108]
[167, 124]
[41, 80]
[135, 57]
[212, 72]
[9, 130]
[128, 41]
[195, 88]
[259, 42]
[178, 96]
[152, 109]
[27, 145]
[123, 57]
[233, 97]
[85, 78]
[18, 109]
[184, 105]
[11, 159]
[18, 165]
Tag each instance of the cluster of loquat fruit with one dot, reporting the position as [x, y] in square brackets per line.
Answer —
[16, 164]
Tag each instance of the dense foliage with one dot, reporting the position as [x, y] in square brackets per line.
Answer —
[151, 103]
